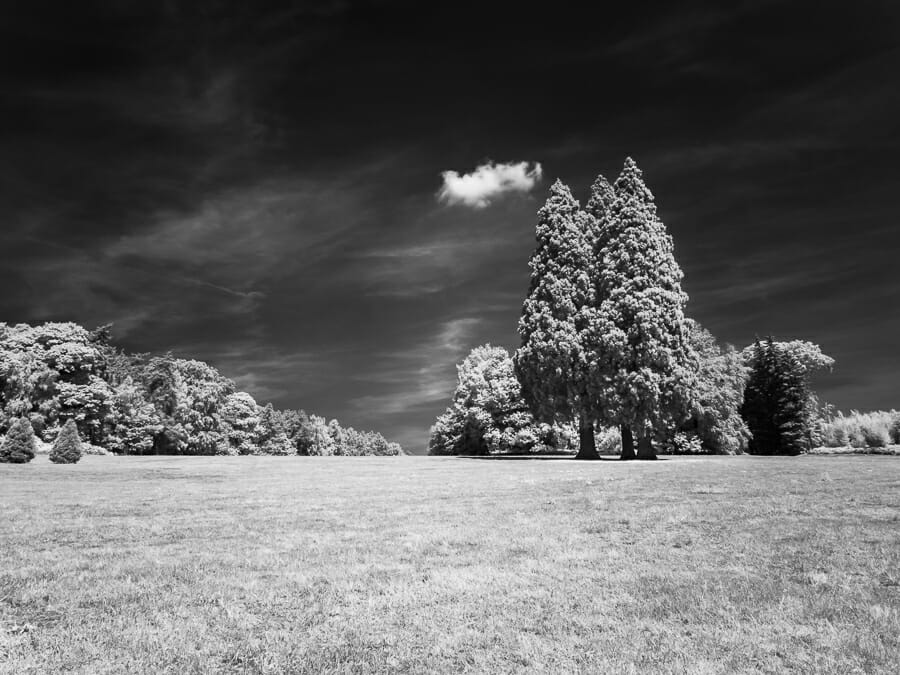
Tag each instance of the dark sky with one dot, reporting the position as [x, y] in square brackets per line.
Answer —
[258, 188]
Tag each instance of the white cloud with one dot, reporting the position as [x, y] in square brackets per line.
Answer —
[478, 188]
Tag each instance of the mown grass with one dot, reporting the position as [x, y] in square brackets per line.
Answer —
[267, 564]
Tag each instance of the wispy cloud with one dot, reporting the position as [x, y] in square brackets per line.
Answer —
[488, 181]
[423, 373]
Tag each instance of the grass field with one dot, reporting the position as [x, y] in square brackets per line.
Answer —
[413, 564]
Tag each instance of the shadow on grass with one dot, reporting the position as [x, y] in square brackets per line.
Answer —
[549, 456]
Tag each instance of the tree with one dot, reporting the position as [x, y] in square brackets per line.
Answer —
[188, 396]
[272, 437]
[553, 363]
[322, 443]
[487, 414]
[715, 418]
[54, 370]
[67, 446]
[808, 359]
[241, 418]
[18, 445]
[135, 423]
[298, 429]
[337, 437]
[775, 401]
[644, 373]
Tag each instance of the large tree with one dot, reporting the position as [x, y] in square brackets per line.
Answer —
[645, 366]
[775, 401]
[805, 359]
[553, 363]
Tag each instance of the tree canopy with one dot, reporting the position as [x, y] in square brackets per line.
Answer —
[488, 414]
[141, 404]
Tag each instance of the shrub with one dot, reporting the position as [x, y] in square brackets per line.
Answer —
[67, 446]
[875, 429]
[608, 440]
[18, 446]
[862, 430]
[683, 443]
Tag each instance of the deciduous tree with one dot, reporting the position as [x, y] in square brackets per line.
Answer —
[487, 413]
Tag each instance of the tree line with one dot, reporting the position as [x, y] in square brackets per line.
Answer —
[144, 404]
[607, 351]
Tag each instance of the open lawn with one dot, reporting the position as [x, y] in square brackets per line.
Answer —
[413, 564]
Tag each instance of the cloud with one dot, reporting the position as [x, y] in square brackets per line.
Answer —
[478, 188]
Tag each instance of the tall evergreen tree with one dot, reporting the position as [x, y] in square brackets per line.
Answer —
[18, 445]
[646, 369]
[775, 401]
[67, 446]
[553, 363]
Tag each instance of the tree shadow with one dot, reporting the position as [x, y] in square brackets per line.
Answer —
[560, 456]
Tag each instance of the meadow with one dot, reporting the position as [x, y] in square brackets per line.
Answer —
[446, 564]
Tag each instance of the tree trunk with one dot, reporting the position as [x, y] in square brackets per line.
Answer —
[645, 447]
[627, 442]
[587, 446]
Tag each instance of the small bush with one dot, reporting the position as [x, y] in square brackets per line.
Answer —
[67, 446]
[895, 427]
[682, 443]
[18, 447]
[609, 441]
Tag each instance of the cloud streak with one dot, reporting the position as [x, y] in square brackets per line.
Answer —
[487, 182]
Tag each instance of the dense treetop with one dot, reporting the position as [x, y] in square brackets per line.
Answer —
[138, 404]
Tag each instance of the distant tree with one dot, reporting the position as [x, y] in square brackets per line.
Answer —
[808, 359]
[336, 432]
[90, 404]
[645, 367]
[272, 437]
[67, 446]
[554, 363]
[188, 396]
[298, 428]
[135, 423]
[18, 445]
[487, 413]
[51, 370]
[775, 402]
[322, 443]
[241, 418]
[715, 417]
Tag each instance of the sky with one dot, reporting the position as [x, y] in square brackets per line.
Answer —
[334, 201]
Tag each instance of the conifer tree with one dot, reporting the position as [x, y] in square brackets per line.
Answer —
[67, 446]
[775, 401]
[646, 369]
[553, 362]
[273, 439]
[18, 445]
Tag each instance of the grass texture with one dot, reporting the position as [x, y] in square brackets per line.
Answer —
[424, 565]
